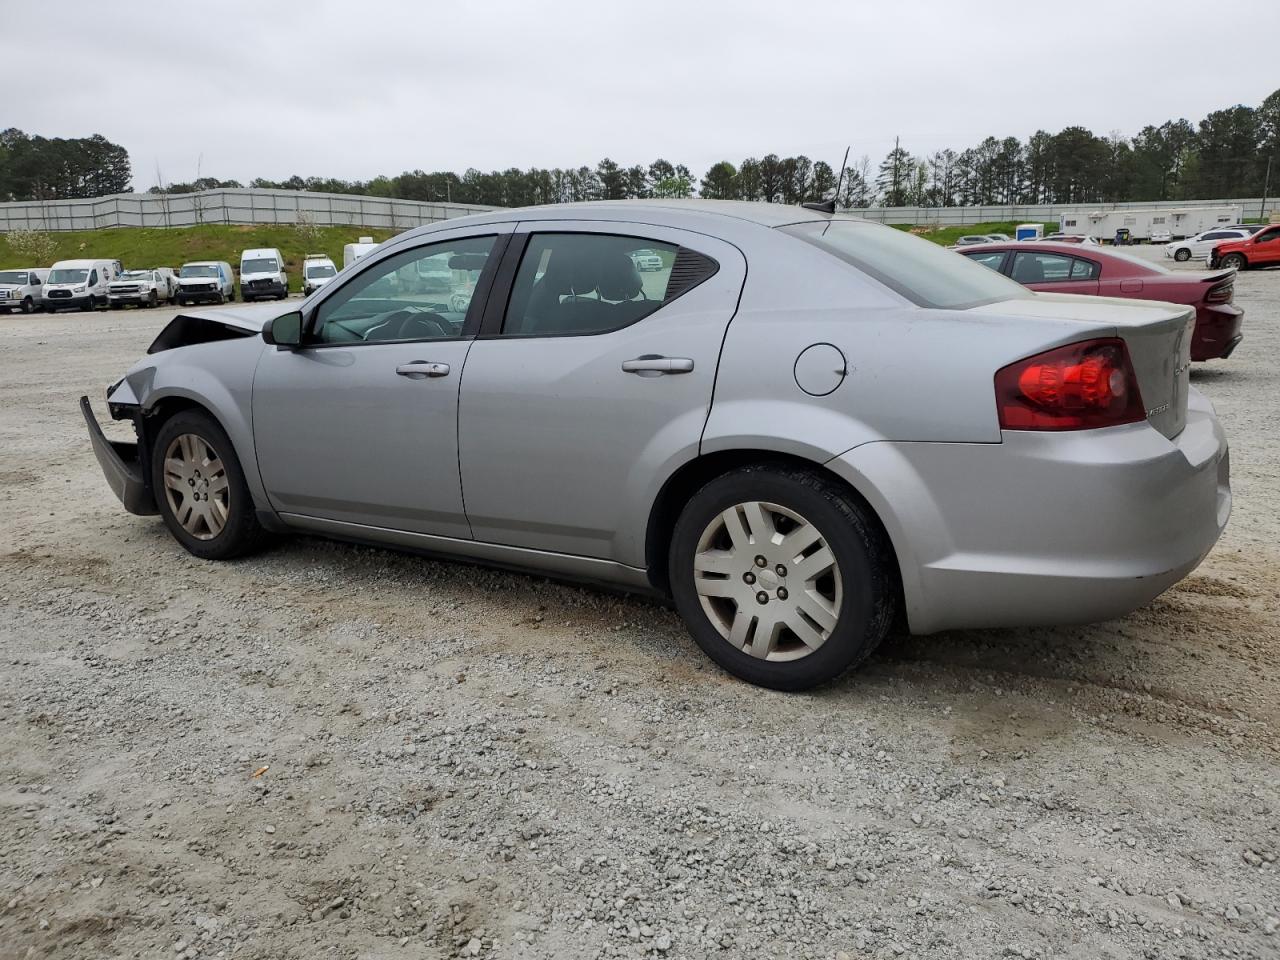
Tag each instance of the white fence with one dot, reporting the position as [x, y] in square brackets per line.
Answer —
[1046, 212]
[227, 206]
[239, 206]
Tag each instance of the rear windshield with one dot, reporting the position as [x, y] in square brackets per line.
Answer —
[926, 274]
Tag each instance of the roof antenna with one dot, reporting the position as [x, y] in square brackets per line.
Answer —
[829, 205]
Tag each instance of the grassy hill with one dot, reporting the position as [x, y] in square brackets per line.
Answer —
[172, 247]
[949, 235]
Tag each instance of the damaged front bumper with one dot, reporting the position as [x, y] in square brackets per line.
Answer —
[121, 465]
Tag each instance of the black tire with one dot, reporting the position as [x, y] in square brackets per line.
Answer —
[1235, 261]
[181, 301]
[231, 296]
[153, 300]
[1182, 256]
[28, 305]
[861, 550]
[222, 298]
[88, 306]
[242, 533]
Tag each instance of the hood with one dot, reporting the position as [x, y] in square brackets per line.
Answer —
[251, 317]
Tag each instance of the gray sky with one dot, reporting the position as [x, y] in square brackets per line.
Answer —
[357, 88]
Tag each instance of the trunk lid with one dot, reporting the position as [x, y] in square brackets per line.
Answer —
[1157, 335]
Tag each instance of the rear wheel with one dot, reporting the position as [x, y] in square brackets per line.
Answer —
[782, 578]
[200, 488]
[1235, 261]
[1182, 255]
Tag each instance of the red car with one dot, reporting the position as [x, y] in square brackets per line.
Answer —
[1260, 250]
[1072, 268]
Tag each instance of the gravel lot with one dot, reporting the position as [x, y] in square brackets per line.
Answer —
[330, 751]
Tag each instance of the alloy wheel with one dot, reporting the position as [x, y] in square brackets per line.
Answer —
[768, 581]
[196, 486]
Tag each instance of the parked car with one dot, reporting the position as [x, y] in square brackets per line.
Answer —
[143, 288]
[1161, 235]
[79, 283]
[206, 281]
[646, 260]
[352, 252]
[1250, 227]
[1199, 246]
[317, 270]
[262, 275]
[891, 425]
[999, 237]
[972, 239]
[1065, 268]
[22, 289]
[1262, 249]
[1068, 238]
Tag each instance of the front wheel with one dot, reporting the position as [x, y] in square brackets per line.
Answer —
[1235, 261]
[200, 488]
[153, 300]
[28, 305]
[781, 576]
[1182, 255]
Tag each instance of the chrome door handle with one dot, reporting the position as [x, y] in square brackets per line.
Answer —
[421, 369]
[657, 365]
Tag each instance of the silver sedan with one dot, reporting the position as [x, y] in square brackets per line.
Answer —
[800, 427]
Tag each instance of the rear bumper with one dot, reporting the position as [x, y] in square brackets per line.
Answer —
[1044, 528]
[120, 465]
[1217, 331]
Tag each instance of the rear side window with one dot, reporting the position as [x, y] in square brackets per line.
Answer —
[926, 274]
[575, 284]
[1084, 270]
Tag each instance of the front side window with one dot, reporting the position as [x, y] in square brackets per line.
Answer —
[919, 270]
[93, 277]
[420, 294]
[573, 284]
[1266, 236]
[992, 260]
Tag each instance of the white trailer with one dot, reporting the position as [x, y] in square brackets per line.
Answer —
[1168, 223]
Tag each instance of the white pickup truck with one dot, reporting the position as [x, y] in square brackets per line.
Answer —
[144, 288]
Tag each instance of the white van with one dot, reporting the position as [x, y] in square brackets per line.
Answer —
[202, 280]
[21, 289]
[262, 275]
[317, 271]
[354, 251]
[79, 283]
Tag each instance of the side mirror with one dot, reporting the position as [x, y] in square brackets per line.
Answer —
[285, 331]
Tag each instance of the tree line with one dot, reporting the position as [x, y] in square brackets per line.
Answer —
[40, 168]
[1224, 155]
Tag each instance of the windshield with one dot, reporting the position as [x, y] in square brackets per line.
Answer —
[926, 274]
[263, 265]
[68, 276]
[320, 270]
[13, 276]
[198, 270]
[136, 275]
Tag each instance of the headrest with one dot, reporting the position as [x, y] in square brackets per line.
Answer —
[618, 277]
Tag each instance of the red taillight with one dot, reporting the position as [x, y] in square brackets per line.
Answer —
[1077, 387]
[1221, 292]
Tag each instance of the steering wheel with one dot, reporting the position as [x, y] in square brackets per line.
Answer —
[398, 326]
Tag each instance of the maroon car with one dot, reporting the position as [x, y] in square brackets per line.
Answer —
[1071, 268]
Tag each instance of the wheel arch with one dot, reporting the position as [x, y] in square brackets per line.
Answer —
[694, 474]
